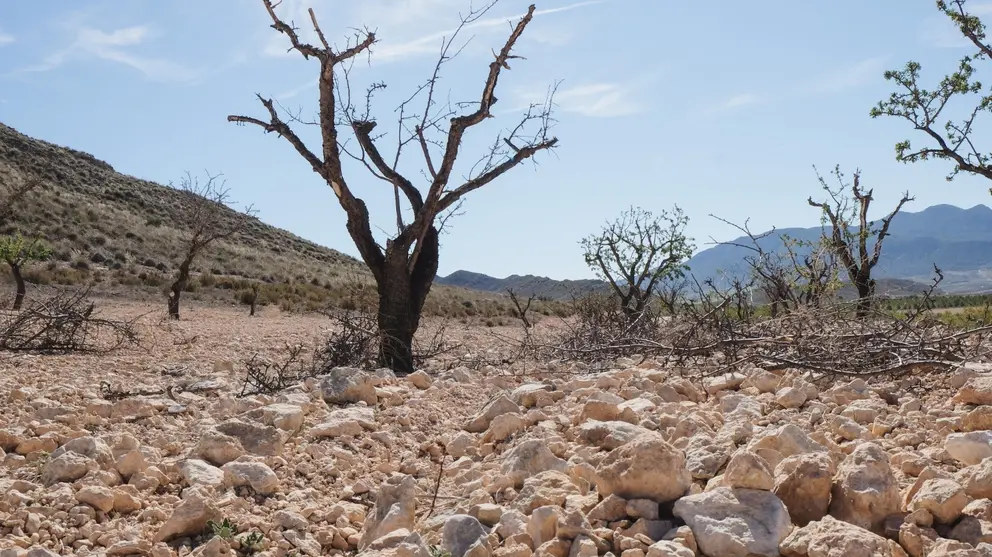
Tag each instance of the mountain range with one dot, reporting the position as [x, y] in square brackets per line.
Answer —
[958, 241]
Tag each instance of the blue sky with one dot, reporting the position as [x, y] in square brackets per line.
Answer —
[721, 107]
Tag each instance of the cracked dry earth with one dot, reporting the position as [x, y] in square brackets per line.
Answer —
[633, 462]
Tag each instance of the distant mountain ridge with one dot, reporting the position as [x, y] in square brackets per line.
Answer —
[958, 241]
[524, 285]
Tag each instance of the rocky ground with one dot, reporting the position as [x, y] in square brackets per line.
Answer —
[544, 459]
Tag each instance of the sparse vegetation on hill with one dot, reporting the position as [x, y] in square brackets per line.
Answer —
[96, 217]
[124, 236]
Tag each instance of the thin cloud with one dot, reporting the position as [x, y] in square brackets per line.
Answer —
[6, 38]
[387, 51]
[594, 100]
[90, 43]
[737, 101]
[429, 44]
[845, 78]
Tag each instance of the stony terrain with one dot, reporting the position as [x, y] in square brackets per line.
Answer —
[545, 460]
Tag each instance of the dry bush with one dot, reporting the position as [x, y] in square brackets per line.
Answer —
[64, 323]
[354, 343]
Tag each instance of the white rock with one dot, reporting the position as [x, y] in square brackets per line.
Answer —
[68, 467]
[99, 497]
[969, 448]
[646, 468]
[736, 522]
[790, 397]
[747, 470]
[257, 475]
[394, 509]
[200, 472]
[354, 421]
[945, 499]
[830, 537]
[190, 517]
[497, 407]
[345, 385]
[461, 532]
[865, 491]
[530, 458]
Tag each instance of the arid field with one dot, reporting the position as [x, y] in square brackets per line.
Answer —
[148, 450]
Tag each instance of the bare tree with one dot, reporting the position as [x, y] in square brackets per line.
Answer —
[851, 246]
[204, 218]
[796, 273]
[947, 138]
[637, 251]
[405, 268]
[522, 309]
[672, 293]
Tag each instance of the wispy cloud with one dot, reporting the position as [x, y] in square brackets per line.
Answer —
[595, 100]
[392, 22]
[833, 81]
[115, 46]
[6, 38]
[737, 101]
[844, 78]
[431, 43]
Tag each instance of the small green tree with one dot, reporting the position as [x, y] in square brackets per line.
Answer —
[930, 110]
[636, 252]
[18, 251]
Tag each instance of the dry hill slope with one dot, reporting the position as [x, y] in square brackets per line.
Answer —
[84, 204]
[123, 234]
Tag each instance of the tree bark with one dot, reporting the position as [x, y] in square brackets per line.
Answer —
[15, 269]
[177, 288]
[866, 291]
[402, 294]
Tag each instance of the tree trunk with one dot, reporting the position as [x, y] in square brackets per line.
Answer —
[174, 301]
[15, 269]
[401, 300]
[866, 291]
[182, 278]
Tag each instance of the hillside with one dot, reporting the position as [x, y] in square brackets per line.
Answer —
[91, 214]
[959, 241]
[525, 285]
[122, 235]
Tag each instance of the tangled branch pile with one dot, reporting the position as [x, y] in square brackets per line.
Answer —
[63, 323]
[716, 334]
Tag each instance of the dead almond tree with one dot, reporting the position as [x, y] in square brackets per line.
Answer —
[638, 251]
[405, 268]
[522, 309]
[204, 218]
[851, 246]
[791, 274]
